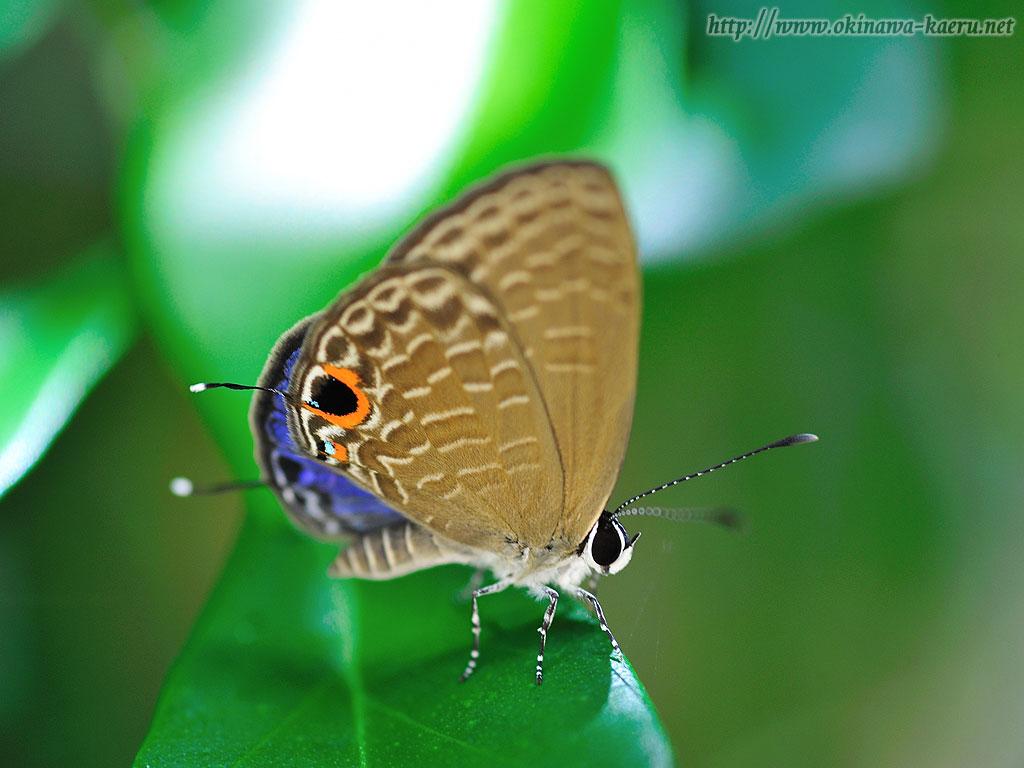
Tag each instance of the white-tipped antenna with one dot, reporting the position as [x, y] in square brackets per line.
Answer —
[182, 486]
[202, 386]
[803, 437]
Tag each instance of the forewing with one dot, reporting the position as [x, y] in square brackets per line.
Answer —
[413, 385]
[551, 244]
[318, 499]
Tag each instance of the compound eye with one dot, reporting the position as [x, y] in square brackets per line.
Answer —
[606, 546]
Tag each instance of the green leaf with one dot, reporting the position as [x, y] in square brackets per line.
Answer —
[58, 338]
[287, 667]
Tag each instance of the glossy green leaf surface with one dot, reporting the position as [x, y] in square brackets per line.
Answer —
[288, 668]
[56, 339]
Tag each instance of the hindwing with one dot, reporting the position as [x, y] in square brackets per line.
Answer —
[318, 499]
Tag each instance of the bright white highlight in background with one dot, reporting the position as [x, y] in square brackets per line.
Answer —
[349, 116]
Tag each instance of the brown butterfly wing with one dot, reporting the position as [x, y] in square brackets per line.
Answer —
[415, 381]
[551, 245]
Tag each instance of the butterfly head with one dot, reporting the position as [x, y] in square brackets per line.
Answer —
[608, 548]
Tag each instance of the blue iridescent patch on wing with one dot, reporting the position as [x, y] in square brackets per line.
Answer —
[322, 497]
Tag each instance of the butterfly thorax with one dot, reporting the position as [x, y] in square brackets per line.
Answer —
[566, 573]
[527, 566]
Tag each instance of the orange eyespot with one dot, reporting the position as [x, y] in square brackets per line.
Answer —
[338, 399]
[334, 450]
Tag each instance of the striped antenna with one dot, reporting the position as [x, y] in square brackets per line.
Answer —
[727, 517]
[784, 442]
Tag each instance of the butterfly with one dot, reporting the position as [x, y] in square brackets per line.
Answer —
[470, 400]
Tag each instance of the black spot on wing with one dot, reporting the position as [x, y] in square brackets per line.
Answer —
[333, 396]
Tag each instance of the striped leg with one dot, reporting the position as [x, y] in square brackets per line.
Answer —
[600, 617]
[549, 616]
[490, 589]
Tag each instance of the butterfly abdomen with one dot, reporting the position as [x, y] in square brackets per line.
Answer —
[395, 550]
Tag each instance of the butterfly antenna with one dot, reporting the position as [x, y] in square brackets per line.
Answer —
[205, 385]
[784, 442]
[726, 517]
[182, 486]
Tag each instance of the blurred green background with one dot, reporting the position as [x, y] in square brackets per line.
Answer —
[832, 233]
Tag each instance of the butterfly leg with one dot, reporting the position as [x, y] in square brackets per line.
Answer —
[600, 617]
[490, 589]
[466, 593]
[549, 616]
